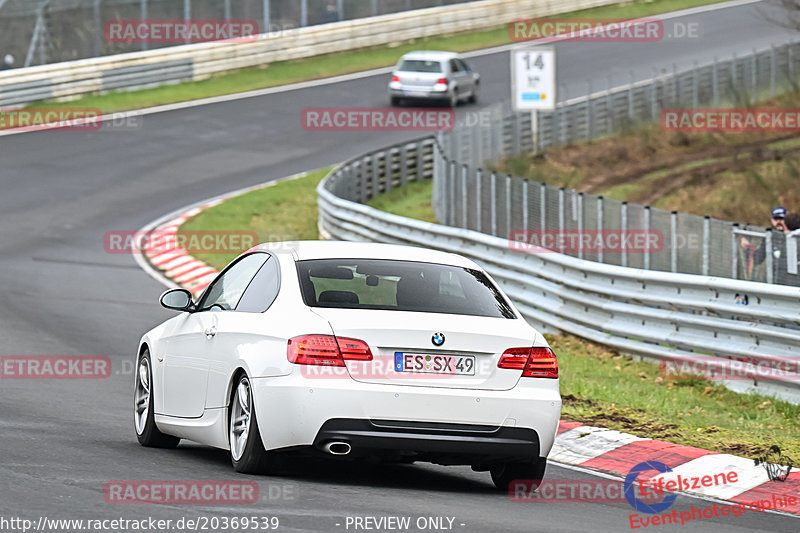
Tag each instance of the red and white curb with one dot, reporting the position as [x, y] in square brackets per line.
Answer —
[616, 453]
[175, 263]
[173, 266]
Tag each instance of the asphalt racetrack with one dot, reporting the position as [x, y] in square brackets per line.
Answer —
[61, 441]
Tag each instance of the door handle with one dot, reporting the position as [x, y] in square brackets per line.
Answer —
[210, 332]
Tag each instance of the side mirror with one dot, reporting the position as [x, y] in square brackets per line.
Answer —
[177, 300]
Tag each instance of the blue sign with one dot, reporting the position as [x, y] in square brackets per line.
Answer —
[630, 495]
[398, 361]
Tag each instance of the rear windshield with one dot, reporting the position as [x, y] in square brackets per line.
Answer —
[400, 286]
[420, 65]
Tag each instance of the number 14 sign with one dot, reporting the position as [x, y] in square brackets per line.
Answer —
[533, 78]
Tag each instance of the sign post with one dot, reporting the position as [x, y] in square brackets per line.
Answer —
[533, 83]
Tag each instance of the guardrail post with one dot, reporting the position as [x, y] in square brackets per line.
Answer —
[543, 206]
[525, 207]
[753, 71]
[493, 202]
[403, 165]
[673, 241]
[464, 196]
[630, 98]
[508, 204]
[420, 162]
[303, 13]
[561, 215]
[187, 16]
[715, 82]
[695, 82]
[516, 133]
[623, 215]
[265, 13]
[143, 16]
[451, 201]
[589, 111]
[647, 237]
[609, 108]
[479, 199]
[654, 96]
[375, 190]
[734, 252]
[580, 225]
[373, 7]
[98, 28]
[773, 67]
[363, 180]
[600, 227]
[706, 243]
[769, 257]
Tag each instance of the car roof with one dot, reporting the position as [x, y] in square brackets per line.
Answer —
[433, 55]
[305, 250]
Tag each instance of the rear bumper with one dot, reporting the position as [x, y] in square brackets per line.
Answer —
[294, 411]
[420, 94]
[437, 442]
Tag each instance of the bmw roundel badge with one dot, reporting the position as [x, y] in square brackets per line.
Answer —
[437, 339]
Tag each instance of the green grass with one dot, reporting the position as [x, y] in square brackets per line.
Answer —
[412, 201]
[285, 72]
[609, 390]
[285, 211]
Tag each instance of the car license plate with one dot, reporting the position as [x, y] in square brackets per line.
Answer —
[416, 93]
[418, 363]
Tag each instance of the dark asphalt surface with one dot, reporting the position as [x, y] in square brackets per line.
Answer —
[62, 294]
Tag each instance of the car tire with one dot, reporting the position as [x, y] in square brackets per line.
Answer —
[473, 98]
[396, 101]
[144, 421]
[504, 474]
[453, 101]
[248, 455]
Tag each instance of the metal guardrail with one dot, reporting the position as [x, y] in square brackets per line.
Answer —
[469, 195]
[49, 31]
[653, 315]
[175, 64]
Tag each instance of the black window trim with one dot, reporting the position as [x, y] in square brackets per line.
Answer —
[280, 280]
[223, 272]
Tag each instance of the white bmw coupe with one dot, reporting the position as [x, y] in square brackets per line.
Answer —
[352, 350]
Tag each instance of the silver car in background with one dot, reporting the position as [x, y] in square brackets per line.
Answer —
[428, 75]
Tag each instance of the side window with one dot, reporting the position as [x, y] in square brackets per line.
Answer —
[263, 290]
[227, 290]
[462, 66]
[454, 67]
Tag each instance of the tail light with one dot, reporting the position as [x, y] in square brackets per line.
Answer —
[395, 78]
[536, 362]
[443, 81]
[326, 350]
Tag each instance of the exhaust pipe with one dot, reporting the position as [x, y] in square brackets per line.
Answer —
[337, 448]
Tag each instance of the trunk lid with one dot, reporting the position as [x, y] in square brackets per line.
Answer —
[397, 337]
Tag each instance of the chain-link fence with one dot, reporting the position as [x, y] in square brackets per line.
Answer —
[48, 31]
[536, 216]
